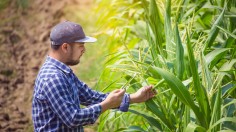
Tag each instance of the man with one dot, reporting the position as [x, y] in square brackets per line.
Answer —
[58, 93]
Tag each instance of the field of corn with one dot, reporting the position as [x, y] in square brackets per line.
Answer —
[186, 49]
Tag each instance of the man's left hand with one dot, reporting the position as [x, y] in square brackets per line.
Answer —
[142, 95]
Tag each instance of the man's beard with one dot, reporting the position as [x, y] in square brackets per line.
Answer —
[72, 62]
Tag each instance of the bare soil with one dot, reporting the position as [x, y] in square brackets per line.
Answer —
[24, 43]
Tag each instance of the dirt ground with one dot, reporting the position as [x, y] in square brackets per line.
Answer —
[24, 43]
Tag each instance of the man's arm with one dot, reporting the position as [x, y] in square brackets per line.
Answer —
[90, 97]
[114, 98]
[60, 100]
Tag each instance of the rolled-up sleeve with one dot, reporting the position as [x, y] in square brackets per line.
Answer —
[124, 106]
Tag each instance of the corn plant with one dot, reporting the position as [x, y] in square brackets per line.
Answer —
[188, 55]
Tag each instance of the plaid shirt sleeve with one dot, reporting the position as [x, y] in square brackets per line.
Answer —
[61, 102]
[89, 96]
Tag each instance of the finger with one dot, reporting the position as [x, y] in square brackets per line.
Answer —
[116, 91]
[147, 88]
[153, 95]
[121, 92]
[149, 94]
[154, 91]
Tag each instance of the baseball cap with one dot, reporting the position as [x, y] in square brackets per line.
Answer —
[68, 32]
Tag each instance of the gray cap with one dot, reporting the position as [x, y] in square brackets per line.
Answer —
[68, 32]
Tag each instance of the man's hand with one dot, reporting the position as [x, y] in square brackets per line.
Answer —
[113, 100]
[142, 95]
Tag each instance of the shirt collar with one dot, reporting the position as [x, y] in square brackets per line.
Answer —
[58, 64]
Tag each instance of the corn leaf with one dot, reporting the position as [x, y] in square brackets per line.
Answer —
[186, 120]
[151, 105]
[179, 89]
[215, 55]
[194, 127]
[226, 67]
[170, 47]
[156, 24]
[231, 34]
[150, 119]
[214, 31]
[216, 112]
[200, 93]
[226, 119]
[134, 128]
[206, 74]
[179, 54]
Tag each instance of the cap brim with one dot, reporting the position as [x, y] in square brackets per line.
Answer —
[87, 39]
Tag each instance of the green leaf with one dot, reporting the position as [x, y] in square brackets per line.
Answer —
[226, 67]
[228, 89]
[155, 20]
[231, 34]
[214, 31]
[194, 127]
[151, 106]
[226, 119]
[120, 129]
[227, 131]
[186, 120]
[170, 47]
[215, 55]
[179, 54]
[206, 74]
[150, 119]
[200, 92]
[179, 89]
[216, 112]
[134, 129]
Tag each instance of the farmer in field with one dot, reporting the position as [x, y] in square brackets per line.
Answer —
[58, 93]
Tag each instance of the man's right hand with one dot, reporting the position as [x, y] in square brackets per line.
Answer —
[113, 100]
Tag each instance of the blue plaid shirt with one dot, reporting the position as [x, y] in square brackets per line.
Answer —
[58, 94]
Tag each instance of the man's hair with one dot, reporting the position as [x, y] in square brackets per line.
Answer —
[55, 47]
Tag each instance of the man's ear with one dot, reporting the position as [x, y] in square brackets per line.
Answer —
[64, 47]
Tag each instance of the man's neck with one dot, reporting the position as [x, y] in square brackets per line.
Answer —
[56, 56]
